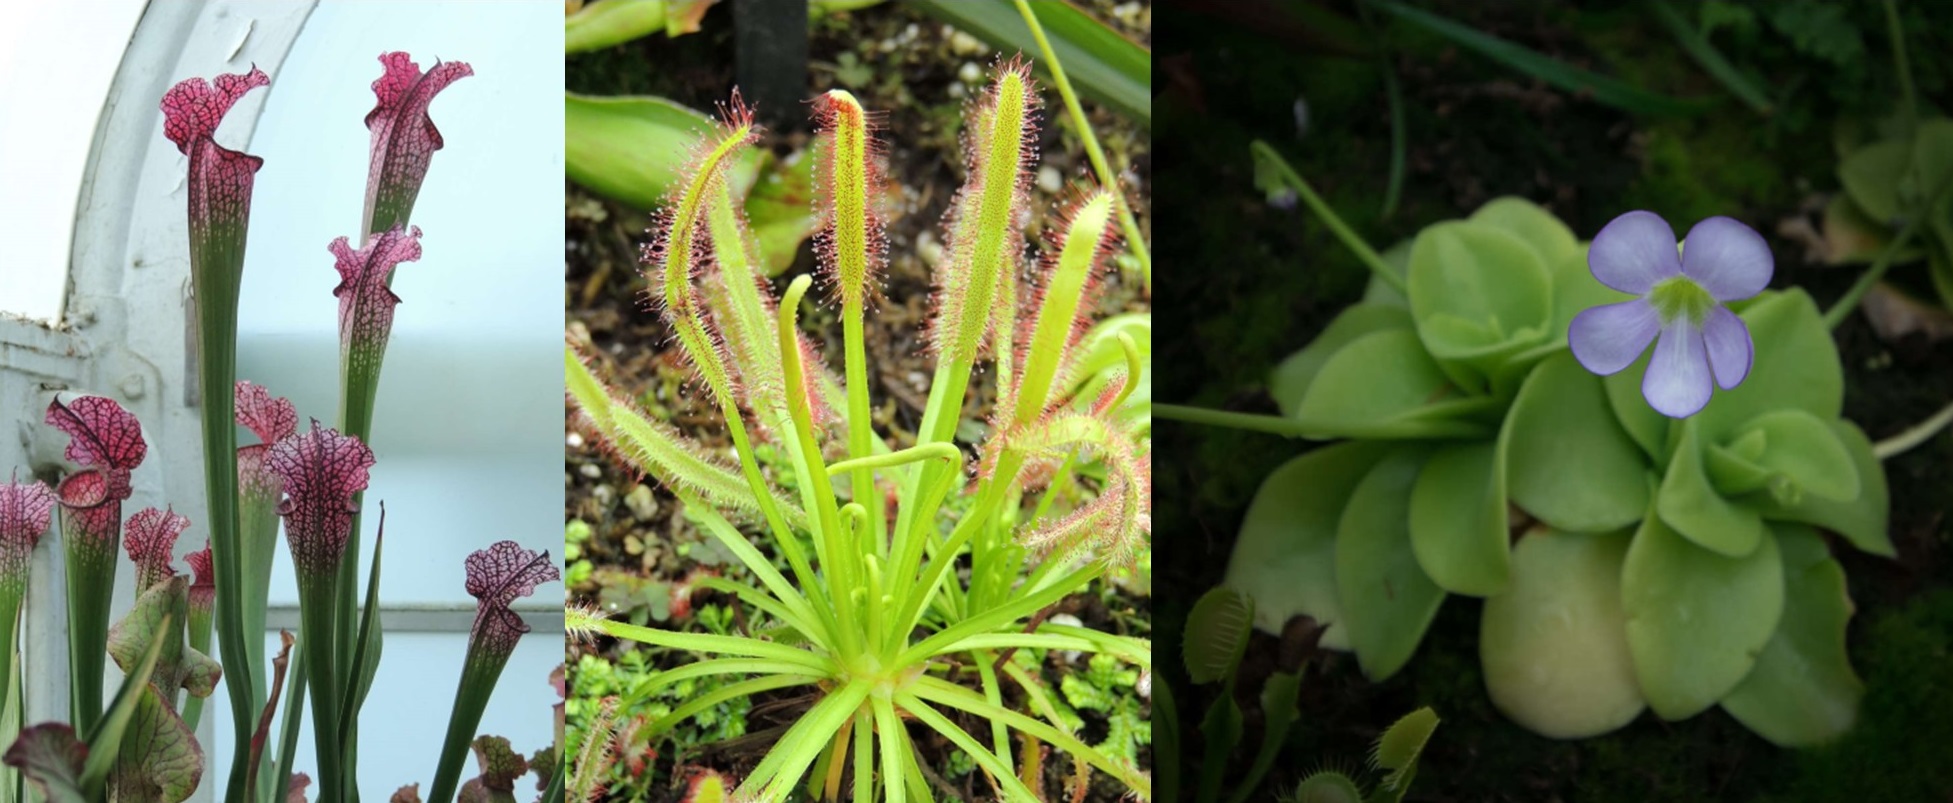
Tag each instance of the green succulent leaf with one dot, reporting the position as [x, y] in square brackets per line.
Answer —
[1690, 503]
[1568, 461]
[1397, 259]
[1799, 454]
[1458, 519]
[1387, 600]
[1217, 634]
[1554, 646]
[1862, 520]
[1648, 429]
[1696, 619]
[1376, 380]
[1285, 557]
[1480, 295]
[1802, 691]
[1796, 368]
[1290, 381]
[1549, 238]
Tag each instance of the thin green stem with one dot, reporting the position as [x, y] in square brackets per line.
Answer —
[1842, 308]
[1135, 238]
[1914, 435]
[861, 429]
[1328, 216]
[1904, 67]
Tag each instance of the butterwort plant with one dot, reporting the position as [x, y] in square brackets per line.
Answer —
[878, 614]
[1500, 428]
[141, 745]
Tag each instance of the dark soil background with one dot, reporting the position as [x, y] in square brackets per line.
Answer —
[1254, 283]
[916, 74]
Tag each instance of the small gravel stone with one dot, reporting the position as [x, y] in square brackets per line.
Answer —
[573, 440]
[1050, 180]
[963, 44]
[969, 73]
[1069, 656]
[605, 496]
[590, 470]
[644, 506]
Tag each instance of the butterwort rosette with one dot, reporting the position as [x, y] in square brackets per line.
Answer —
[497, 577]
[404, 136]
[1681, 300]
[106, 440]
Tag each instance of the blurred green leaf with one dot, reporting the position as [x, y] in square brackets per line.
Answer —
[1105, 66]
[1802, 691]
[1570, 464]
[1387, 600]
[1696, 619]
[613, 22]
[1602, 89]
[1554, 646]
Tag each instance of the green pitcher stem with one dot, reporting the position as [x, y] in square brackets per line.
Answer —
[318, 614]
[91, 589]
[479, 672]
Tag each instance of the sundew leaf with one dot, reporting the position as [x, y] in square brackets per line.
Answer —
[1387, 599]
[1802, 691]
[1696, 619]
[1217, 634]
[1285, 556]
[1554, 646]
[1289, 382]
[1862, 520]
[1458, 518]
[1568, 462]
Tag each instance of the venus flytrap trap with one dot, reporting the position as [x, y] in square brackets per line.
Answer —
[1664, 530]
[877, 617]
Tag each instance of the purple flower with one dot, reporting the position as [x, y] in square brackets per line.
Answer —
[1681, 299]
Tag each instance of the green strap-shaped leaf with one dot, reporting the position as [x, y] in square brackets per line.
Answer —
[1387, 599]
[1690, 504]
[1568, 462]
[1554, 646]
[1696, 619]
[1603, 89]
[1105, 66]
[1802, 691]
[1458, 518]
[1285, 556]
[1217, 634]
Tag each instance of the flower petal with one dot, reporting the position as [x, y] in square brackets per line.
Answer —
[1633, 252]
[1609, 338]
[1677, 382]
[1729, 259]
[1727, 341]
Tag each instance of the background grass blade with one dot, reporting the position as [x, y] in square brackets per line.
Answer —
[1105, 66]
[1705, 54]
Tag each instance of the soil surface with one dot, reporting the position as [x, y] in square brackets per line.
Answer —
[919, 74]
[1268, 279]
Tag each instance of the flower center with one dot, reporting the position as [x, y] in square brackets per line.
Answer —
[1680, 296]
